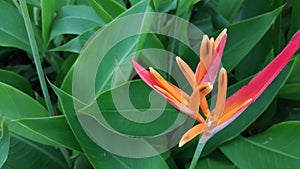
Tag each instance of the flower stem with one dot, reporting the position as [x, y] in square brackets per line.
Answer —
[197, 153]
[36, 55]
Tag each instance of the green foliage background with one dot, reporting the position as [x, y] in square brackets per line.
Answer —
[264, 136]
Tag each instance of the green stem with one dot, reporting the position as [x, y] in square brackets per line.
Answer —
[36, 55]
[197, 153]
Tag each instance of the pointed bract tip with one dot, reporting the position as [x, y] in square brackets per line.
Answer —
[205, 37]
[210, 87]
[180, 144]
[178, 59]
[223, 70]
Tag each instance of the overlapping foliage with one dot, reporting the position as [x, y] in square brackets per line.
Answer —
[30, 137]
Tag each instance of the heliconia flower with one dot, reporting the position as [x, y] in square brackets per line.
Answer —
[201, 82]
[227, 111]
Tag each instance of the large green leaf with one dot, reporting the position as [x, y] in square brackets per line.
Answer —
[115, 104]
[106, 9]
[12, 28]
[117, 51]
[48, 9]
[4, 141]
[241, 39]
[52, 131]
[14, 104]
[15, 80]
[25, 154]
[229, 8]
[278, 147]
[98, 156]
[268, 45]
[75, 20]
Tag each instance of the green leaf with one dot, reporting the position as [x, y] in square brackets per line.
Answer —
[106, 9]
[295, 22]
[14, 104]
[48, 9]
[229, 8]
[116, 52]
[25, 154]
[184, 9]
[75, 20]
[52, 131]
[214, 163]
[12, 28]
[133, 2]
[66, 66]
[278, 147]
[82, 162]
[256, 7]
[295, 78]
[164, 6]
[115, 104]
[4, 141]
[15, 80]
[96, 155]
[241, 39]
[290, 91]
[75, 45]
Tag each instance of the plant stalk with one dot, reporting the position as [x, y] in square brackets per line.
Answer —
[36, 55]
[197, 153]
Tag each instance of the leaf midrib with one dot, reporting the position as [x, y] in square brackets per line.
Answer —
[270, 149]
